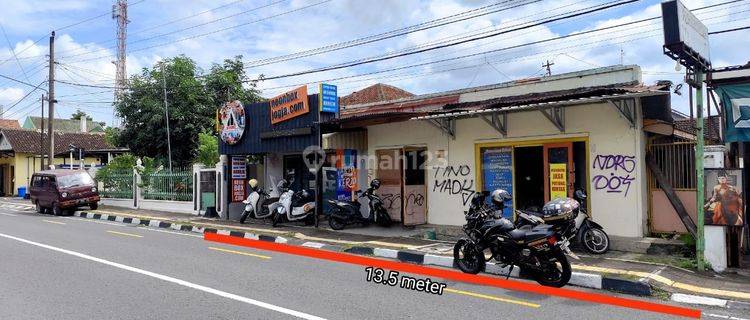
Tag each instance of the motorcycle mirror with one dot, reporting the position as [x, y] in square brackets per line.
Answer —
[580, 194]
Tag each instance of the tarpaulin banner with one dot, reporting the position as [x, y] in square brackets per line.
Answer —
[735, 101]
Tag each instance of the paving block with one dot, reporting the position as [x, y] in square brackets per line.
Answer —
[436, 260]
[692, 299]
[386, 253]
[586, 280]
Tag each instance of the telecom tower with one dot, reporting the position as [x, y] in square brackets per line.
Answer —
[120, 13]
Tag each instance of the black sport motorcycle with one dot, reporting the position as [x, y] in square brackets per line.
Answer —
[367, 209]
[535, 249]
[575, 224]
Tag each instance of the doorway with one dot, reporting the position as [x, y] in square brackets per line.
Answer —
[529, 179]
[403, 183]
[297, 173]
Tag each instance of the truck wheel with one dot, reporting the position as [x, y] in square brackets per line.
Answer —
[56, 210]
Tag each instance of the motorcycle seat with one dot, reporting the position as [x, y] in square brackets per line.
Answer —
[528, 234]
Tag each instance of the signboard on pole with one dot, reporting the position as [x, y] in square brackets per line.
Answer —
[328, 99]
[735, 104]
[289, 105]
[685, 37]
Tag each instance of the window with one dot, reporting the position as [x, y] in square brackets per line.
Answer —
[74, 180]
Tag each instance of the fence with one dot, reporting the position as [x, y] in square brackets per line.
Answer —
[117, 185]
[677, 161]
[163, 185]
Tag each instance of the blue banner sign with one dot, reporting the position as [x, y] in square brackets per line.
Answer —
[497, 173]
[328, 99]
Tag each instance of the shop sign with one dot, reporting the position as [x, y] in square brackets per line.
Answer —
[328, 99]
[239, 168]
[289, 105]
[558, 180]
[232, 118]
[238, 190]
[685, 36]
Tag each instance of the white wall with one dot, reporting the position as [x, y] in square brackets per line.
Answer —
[608, 133]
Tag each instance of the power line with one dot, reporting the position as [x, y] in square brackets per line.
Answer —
[13, 52]
[23, 98]
[352, 64]
[729, 30]
[19, 81]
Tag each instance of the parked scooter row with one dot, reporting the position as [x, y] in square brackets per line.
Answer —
[368, 208]
[288, 206]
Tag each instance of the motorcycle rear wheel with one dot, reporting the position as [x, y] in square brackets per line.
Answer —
[336, 223]
[595, 240]
[384, 219]
[467, 258]
[557, 270]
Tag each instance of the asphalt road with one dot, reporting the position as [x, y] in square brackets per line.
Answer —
[73, 268]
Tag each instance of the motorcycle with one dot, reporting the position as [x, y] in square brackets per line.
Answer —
[368, 208]
[577, 225]
[536, 250]
[293, 206]
[258, 202]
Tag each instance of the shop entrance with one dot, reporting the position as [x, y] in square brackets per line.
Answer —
[297, 173]
[529, 179]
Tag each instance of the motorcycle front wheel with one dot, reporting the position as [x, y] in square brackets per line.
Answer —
[467, 258]
[275, 219]
[595, 240]
[555, 271]
[244, 216]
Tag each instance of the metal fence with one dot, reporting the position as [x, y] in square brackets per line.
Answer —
[677, 161]
[117, 185]
[163, 185]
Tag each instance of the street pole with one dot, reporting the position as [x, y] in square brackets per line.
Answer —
[166, 112]
[51, 93]
[41, 139]
[700, 243]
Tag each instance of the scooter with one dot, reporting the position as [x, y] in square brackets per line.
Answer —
[293, 206]
[257, 202]
[368, 208]
[578, 226]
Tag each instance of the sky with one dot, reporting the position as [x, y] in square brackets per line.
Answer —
[209, 31]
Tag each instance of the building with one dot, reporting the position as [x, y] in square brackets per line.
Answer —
[9, 124]
[65, 125]
[538, 138]
[21, 149]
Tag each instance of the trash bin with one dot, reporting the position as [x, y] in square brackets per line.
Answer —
[22, 192]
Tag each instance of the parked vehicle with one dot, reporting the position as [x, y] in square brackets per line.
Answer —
[60, 190]
[258, 201]
[293, 206]
[535, 249]
[574, 225]
[368, 208]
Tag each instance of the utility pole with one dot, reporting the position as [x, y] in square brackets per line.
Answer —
[548, 65]
[51, 97]
[41, 138]
[166, 112]
[120, 13]
[700, 243]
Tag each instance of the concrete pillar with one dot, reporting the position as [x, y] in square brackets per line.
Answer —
[222, 189]
[716, 247]
[196, 188]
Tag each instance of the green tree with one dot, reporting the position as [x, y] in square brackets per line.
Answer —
[193, 97]
[79, 114]
[208, 150]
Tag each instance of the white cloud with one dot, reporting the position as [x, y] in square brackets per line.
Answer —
[9, 95]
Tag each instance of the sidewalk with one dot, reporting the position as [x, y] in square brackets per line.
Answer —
[616, 271]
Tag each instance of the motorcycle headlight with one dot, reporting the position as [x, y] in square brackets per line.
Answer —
[64, 194]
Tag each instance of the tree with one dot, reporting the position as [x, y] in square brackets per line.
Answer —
[80, 114]
[208, 150]
[192, 99]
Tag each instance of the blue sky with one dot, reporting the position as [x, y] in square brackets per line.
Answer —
[271, 28]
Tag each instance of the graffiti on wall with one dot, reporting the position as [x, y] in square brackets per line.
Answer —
[454, 180]
[614, 173]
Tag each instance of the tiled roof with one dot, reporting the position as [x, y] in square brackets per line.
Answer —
[9, 124]
[374, 93]
[68, 125]
[27, 141]
[710, 127]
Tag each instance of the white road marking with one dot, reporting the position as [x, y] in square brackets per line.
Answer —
[169, 279]
[9, 214]
[95, 221]
[721, 316]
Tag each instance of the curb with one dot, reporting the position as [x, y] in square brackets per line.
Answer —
[709, 301]
[586, 280]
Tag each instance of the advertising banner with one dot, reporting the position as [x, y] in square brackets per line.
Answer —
[328, 99]
[558, 180]
[232, 122]
[239, 168]
[724, 203]
[497, 173]
[238, 190]
[735, 104]
[289, 105]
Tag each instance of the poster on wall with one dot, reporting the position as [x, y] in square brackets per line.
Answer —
[239, 168]
[232, 122]
[497, 173]
[238, 190]
[724, 203]
[735, 105]
[558, 180]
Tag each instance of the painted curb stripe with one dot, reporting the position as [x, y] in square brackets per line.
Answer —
[456, 275]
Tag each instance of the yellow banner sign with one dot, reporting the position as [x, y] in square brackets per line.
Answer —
[558, 180]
